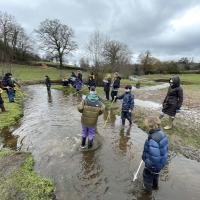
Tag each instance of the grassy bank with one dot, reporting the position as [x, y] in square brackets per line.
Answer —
[142, 83]
[19, 181]
[187, 79]
[35, 73]
[23, 72]
[15, 111]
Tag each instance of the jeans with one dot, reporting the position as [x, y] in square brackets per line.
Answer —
[11, 94]
[126, 115]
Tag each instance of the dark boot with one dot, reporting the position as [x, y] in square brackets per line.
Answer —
[155, 182]
[83, 142]
[90, 144]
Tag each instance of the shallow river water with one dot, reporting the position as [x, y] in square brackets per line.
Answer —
[50, 129]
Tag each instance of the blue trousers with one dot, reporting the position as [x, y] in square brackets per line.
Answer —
[11, 94]
[150, 179]
[126, 115]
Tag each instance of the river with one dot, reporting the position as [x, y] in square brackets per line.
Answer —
[50, 129]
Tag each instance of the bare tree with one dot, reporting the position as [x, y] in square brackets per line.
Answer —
[149, 63]
[95, 48]
[84, 63]
[6, 25]
[56, 38]
[116, 53]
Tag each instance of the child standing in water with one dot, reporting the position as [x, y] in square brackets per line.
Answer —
[155, 153]
[127, 105]
[91, 107]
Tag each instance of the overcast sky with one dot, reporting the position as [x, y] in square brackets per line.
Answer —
[169, 29]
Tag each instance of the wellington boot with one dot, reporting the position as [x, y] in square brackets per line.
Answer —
[90, 144]
[168, 127]
[83, 143]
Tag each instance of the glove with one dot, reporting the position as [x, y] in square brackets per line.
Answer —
[130, 110]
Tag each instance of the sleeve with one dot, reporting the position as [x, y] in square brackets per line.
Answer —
[145, 150]
[165, 97]
[120, 97]
[180, 98]
[80, 107]
[132, 102]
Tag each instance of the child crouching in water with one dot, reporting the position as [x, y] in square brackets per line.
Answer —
[127, 105]
[91, 107]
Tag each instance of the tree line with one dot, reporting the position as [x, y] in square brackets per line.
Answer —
[57, 41]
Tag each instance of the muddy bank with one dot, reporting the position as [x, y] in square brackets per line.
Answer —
[18, 181]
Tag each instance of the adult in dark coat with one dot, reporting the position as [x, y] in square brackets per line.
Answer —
[173, 100]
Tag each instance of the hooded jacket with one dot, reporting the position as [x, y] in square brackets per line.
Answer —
[116, 84]
[8, 82]
[155, 151]
[90, 108]
[174, 97]
[128, 101]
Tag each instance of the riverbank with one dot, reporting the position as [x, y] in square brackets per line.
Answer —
[18, 180]
[15, 111]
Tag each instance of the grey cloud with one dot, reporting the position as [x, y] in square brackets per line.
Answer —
[141, 24]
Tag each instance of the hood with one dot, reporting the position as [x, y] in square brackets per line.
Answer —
[92, 97]
[176, 81]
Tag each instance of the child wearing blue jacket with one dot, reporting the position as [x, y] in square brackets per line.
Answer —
[127, 105]
[155, 153]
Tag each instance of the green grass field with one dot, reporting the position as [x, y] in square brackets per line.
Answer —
[185, 78]
[142, 83]
[24, 73]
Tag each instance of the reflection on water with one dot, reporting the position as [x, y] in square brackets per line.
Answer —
[49, 96]
[124, 138]
[51, 129]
